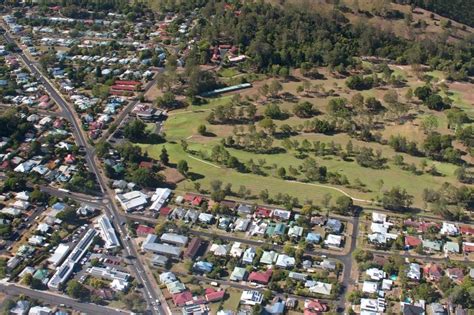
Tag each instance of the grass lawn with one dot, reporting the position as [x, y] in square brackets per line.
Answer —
[232, 302]
[183, 124]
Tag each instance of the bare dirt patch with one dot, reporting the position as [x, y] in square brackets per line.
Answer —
[172, 176]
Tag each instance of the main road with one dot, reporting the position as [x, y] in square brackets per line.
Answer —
[145, 279]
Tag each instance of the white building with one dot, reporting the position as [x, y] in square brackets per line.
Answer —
[159, 198]
[132, 200]
[251, 297]
[59, 254]
[107, 233]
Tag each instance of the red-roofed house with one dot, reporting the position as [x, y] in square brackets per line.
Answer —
[189, 197]
[412, 241]
[143, 230]
[465, 229]
[69, 159]
[432, 272]
[165, 211]
[215, 295]
[180, 299]
[315, 306]
[468, 247]
[145, 164]
[263, 213]
[260, 277]
[197, 201]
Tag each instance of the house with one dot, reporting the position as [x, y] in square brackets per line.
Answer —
[167, 277]
[283, 215]
[159, 261]
[414, 271]
[318, 287]
[466, 230]
[285, 261]
[236, 251]
[315, 306]
[244, 209]
[333, 226]
[143, 230]
[40, 310]
[379, 217]
[432, 246]
[328, 264]
[213, 295]
[451, 247]
[180, 299]
[224, 223]
[21, 308]
[275, 308]
[295, 231]
[219, 249]
[194, 248]
[467, 247]
[372, 306]
[449, 229]
[333, 240]
[313, 238]
[251, 297]
[370, 287]
[263, 213]
[387, 284]
[268, 258]
[376, 274]
[249, 255]
[241, 224]
[260, 277]
[411, 309]
[432, 272]
[132, 200]
[437, 309]
[238, 274]
[206, 218]
[412, 242]
[203, 266]
[297, 276]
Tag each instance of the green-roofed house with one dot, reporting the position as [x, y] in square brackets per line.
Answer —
[42, 275]
[451, 247]
[239, 274]
[432, 246]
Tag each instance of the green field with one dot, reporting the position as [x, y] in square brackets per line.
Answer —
[183, 124]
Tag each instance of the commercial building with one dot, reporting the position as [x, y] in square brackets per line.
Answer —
[175, 239]
[151, 245]
[108, 273]
[159, 198]
[132, 200]
[59, 254]
[64, 271]
[107, 233]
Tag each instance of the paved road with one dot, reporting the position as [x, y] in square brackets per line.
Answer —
[111, 209]
[56, 299]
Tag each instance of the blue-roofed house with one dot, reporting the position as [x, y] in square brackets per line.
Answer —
[334, 226]
[58, 206]
[203, 266]
[275, 308]
[313, 238]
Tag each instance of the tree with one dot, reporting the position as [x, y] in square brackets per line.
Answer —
[303, 110]
[435, 102]
[144, 177]
[134, 302]
[409, 94]
[281, 172]
[391, 97]
[429, 123]
[268, 125]
[202, 129]
[102, 148]
[344, 204]
[273, 111]
[164, 157]
[135, 130]
[77, 291]
[274, 88]
[183, 167]
[397, 199]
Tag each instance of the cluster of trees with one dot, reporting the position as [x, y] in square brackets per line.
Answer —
[431, 99]
[439, 147]
[457, 10]
[366, 157]
[401, 144]
[450, 201]
[252, 140]
[359, 82]
[232, 114]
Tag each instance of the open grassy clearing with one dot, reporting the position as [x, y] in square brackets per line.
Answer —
[255, 183]
[183, 123]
